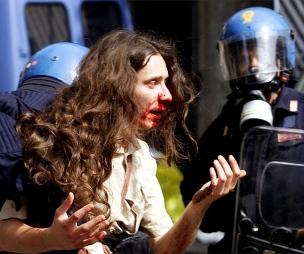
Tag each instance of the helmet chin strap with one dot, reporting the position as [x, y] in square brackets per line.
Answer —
[239, 86]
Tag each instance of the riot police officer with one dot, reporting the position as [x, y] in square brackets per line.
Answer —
[257, 56]
[47, 71]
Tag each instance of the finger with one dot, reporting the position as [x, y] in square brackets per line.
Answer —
[97, 224]
[83, 241]
[238, 173]
[66, 204]
[79, 214]
[221, 177]
[94, 239]
[236, 170]
[98, 234]
[94, 232]
[228, 172]
[213, 178]
[236, 165]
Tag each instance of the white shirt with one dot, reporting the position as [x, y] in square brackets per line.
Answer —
[144, 204]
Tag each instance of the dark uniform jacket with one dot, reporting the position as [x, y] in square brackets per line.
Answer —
[35, 94]
[224, 137]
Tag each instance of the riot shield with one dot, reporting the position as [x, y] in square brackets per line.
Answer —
[269, 214]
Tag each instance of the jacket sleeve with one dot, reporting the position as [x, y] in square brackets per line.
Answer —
[9, 104]
[10, 161]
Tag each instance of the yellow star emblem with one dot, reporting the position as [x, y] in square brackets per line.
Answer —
[247, 16]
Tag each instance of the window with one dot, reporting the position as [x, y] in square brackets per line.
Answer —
[46, 24]
[99, 18]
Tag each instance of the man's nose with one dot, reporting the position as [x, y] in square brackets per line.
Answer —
[254, 65]
[254, 61]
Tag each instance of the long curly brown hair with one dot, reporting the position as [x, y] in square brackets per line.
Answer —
[73, 142]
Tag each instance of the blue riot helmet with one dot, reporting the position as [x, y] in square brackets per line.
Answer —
[58, 61]
[256, 46]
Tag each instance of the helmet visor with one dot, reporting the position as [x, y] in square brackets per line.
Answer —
[256, 59]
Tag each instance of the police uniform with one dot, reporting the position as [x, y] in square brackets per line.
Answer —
[35, 94]
[224, 137]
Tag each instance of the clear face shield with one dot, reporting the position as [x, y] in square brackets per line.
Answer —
[253, 61]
